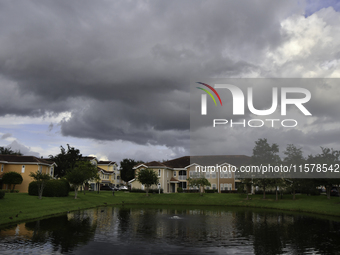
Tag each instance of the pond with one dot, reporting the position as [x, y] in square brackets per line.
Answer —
[174, 230]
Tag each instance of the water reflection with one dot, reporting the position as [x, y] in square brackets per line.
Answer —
[169, 230]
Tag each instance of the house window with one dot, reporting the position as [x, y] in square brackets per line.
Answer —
[213, 175]
[221, 186]
[229, 174]
[51, 171]
[207, 174]
[2, 168]
[23, 169]
[175, 174]
[40, 169]
[214, 186]
[159, 172]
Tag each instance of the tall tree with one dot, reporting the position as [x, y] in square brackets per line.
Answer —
[127, 172]
[147, 177]
[9, 151]
[263, 153]
[200, 182]
[80, 174]
[294, 156]
[247, 182]
[329, 157]
[65, 160]
[12, 178]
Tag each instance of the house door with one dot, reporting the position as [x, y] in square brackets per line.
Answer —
[173, 187]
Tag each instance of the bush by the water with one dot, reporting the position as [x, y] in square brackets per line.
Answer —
[2, 193]
[53, 188]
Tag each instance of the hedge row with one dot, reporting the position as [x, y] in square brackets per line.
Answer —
[313, 192]
[143, 191]
[229, 191]
[53, 188]
[2, 194]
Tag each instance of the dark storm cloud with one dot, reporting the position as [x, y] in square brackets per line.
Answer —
[123, 68]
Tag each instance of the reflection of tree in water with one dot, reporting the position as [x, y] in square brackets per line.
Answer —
[63, 233]
[124, 219]
[147, 223]
[277, 233]
[268, 234]
[323, 235]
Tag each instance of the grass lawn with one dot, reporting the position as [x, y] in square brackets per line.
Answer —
[31, 207]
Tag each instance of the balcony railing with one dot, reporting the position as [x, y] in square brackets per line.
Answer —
[182, 177]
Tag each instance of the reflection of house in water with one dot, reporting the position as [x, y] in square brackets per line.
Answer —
[62, 233]
[174, 173]
[19, 230]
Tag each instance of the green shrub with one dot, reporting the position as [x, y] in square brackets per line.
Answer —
[143, 191]
[2, 194]
[210, 190]
[229, 191]
[179, 190]
[53, 188]
[241, 189]
[12, 178]
[315, 192]
[191, 191]
[10, 191]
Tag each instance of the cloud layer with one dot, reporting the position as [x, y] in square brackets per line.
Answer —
[121, 69]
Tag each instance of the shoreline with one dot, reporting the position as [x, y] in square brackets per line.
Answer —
[32, 208]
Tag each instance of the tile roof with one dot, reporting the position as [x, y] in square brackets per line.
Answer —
[173, 179]
[182, 162]
[152, 163]
[236, 160]
[101, 169]
[102, 162]
[26, 159]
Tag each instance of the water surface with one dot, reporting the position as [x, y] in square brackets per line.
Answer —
[174, 230]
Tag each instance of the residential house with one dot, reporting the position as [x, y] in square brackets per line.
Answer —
[174, 173]
[108, 172]
[111, 167]
[24, 165]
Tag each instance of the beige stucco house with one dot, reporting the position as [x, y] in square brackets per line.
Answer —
[108, 172]
[24, 165]
[174, 173]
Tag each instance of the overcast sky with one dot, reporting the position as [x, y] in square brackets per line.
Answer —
[112, 78]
